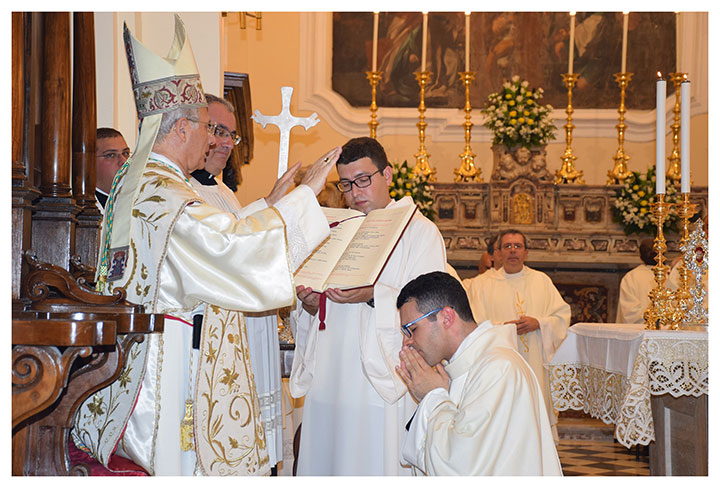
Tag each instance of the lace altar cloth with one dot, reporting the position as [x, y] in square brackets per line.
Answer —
[611, 370]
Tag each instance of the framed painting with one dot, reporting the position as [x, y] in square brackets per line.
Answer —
[532, 45]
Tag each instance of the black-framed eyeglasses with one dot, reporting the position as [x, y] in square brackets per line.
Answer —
[361, 182]
[406, 328]
[209, 126]
[224, 133]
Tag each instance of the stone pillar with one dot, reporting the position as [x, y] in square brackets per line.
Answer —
[53, 225]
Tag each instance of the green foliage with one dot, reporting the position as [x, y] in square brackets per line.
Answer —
[405, 183]
[633, 202]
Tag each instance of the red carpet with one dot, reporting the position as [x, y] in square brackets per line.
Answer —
[119, 466]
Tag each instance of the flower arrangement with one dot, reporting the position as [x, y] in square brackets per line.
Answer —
[516, 117]
[633, 203]
[406, 183]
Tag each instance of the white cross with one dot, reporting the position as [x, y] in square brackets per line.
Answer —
[285, 121]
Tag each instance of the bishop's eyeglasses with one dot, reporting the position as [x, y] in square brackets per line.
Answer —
[209, 126]
[406, 327]
[361, 182]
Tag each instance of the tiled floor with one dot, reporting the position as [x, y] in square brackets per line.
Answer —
[587, 448]
[601, 458]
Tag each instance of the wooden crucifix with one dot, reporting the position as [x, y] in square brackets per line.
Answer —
[285, 122]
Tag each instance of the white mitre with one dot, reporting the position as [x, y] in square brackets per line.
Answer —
[159, 85]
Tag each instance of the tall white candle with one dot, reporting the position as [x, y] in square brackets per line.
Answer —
[375, 40]
[624, 42]
[660, 135]
[424, 41]
[571, 44]
[685, 137]
[467, 41]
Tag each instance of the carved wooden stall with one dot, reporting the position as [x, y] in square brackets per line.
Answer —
[67, 340]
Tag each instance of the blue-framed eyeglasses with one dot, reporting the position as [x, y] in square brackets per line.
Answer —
[406, 328]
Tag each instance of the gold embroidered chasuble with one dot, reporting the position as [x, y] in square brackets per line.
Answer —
[183, 254]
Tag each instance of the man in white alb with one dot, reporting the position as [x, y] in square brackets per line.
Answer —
[356, 406]
[527, 298]
[261, 327]
[635, 287]
[481, 411]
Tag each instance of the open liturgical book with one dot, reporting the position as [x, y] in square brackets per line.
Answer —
[355, 253]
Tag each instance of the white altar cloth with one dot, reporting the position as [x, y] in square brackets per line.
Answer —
[611, 370]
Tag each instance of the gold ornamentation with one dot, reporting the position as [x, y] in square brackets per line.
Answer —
[620, 170]
[231, 435]
[695, 263]
[663, 312]
[422, 166]
[374, 78]
[186, 428]
[673, 171]
[567, 172]
[522, 209]
[467, 171]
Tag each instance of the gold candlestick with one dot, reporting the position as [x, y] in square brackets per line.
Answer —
[467, 171]
[685, 302]
[673, 171]
[620, 170]
[422, 167]
[568, 173]
[663, 312]
[374, 78]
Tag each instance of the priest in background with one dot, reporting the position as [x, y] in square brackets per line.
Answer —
[520, 295]
[356, 406]
[261, 327]
[481, 411]
[635, 287]
[111, 152]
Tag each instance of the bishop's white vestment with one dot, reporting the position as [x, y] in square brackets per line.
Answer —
[261, 327]
[175, 410]
[493, 419]
[500, 297]
[356, 406]
[634, 297]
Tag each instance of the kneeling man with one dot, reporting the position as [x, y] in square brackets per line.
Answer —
[483, 412]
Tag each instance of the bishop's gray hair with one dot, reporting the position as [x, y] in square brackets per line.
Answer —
[169, 119]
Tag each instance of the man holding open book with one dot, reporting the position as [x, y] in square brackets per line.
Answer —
[346, 325]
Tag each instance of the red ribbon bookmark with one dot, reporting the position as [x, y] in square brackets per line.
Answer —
[323, 299]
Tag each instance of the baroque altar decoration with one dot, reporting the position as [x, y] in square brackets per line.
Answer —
[406, 183]
[521, 128]
[633, 204]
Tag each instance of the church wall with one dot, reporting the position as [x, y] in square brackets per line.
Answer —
[272, 59]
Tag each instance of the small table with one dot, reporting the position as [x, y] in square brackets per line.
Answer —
[652, 384]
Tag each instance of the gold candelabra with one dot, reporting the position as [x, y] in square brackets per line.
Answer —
[684, 298]
[663, 312]
[673, 171]
[467, 171]
[422, 166]
[567, 173]
[620, 170]
[374, 78]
